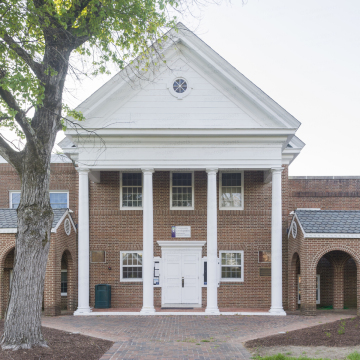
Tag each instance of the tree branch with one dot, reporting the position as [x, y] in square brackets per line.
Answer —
[20, 116]
[35, 66]
[77, 9]
[10, 155]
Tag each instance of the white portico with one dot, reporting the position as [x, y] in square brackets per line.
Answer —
[202, 115]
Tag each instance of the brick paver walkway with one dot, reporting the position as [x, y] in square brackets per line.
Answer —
[182, 337]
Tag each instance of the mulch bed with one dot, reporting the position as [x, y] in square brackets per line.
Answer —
[62, 345]
[338, 333]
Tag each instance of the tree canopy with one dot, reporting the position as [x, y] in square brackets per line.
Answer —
[34, 34]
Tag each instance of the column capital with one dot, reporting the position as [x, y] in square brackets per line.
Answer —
[82, 170]
[277, 170]
[212, 170]
[148, 170]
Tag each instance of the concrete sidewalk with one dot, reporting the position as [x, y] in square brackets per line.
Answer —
[183, 337]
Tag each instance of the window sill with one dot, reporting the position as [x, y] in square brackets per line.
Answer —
[131, 280]
[63, 294]
[232, 280]
[182, 208]
[131, 208]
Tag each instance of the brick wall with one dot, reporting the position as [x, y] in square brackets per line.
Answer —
[326, 194]
[331, 259]
[112, 230]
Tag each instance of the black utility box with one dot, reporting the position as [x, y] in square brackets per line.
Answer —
[102, 296]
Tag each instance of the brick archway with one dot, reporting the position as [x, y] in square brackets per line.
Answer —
[337, 255]
[70, 298]
[294, 270]
[7, 264]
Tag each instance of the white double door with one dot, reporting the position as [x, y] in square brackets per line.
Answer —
[181, 276]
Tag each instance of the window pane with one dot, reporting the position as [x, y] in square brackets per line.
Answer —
[132, 189]
[15, 200]
[182, 190]
[181, 179]
[231, 179]
[130, 272]
[132, 179]
[58, 200]
[231, 190]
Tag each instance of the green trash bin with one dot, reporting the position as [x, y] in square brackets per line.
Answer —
[102, 296]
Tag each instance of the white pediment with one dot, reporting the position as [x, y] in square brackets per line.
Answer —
[223, 119]
[155, 106]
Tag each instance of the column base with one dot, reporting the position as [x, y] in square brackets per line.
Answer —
[82, 311]
[214, 311]
[147, 311]
[277, 311]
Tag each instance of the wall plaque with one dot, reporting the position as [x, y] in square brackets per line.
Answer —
[181, 231]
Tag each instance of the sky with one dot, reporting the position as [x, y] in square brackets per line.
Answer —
[303, 54]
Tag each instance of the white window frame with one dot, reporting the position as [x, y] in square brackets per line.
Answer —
[192, 191]
[121, 266]
[64, 293]
[242, 190]
[50, 192]
[121, 190]
[242, 265]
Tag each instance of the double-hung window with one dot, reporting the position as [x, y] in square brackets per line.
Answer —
[131, 191]
[130, 265]
[182, 191]
[231, 191]
[232, 265]
[58, 199]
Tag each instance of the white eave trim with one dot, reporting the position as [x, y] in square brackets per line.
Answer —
[67, 212]
[293, 219]
[8, 231]
[329, 236]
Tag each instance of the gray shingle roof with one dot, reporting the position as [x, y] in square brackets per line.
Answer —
[329, 221]
[8, 218]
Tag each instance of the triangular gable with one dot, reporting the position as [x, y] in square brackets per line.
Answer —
[221, 96]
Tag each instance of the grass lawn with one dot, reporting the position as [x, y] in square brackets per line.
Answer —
[353, 356]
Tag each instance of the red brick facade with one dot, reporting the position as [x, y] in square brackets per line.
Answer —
[113, 230]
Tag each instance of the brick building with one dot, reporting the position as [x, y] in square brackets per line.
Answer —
[183, 197]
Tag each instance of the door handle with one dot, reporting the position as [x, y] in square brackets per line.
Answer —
[182, 282]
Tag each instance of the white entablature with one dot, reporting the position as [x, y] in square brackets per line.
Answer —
[221, 119]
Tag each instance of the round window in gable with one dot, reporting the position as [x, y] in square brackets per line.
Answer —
[67, 227]
[180, 86]
[294, 230]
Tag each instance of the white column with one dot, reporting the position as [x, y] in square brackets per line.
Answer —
[83, 248]
[212, 304]
[276, 244]
[148, 243]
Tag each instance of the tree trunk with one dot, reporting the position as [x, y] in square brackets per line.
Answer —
[35, 216]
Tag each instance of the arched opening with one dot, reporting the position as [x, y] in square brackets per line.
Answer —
[67, 282]
[294, 280]
[7, 268]
[337, 272]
